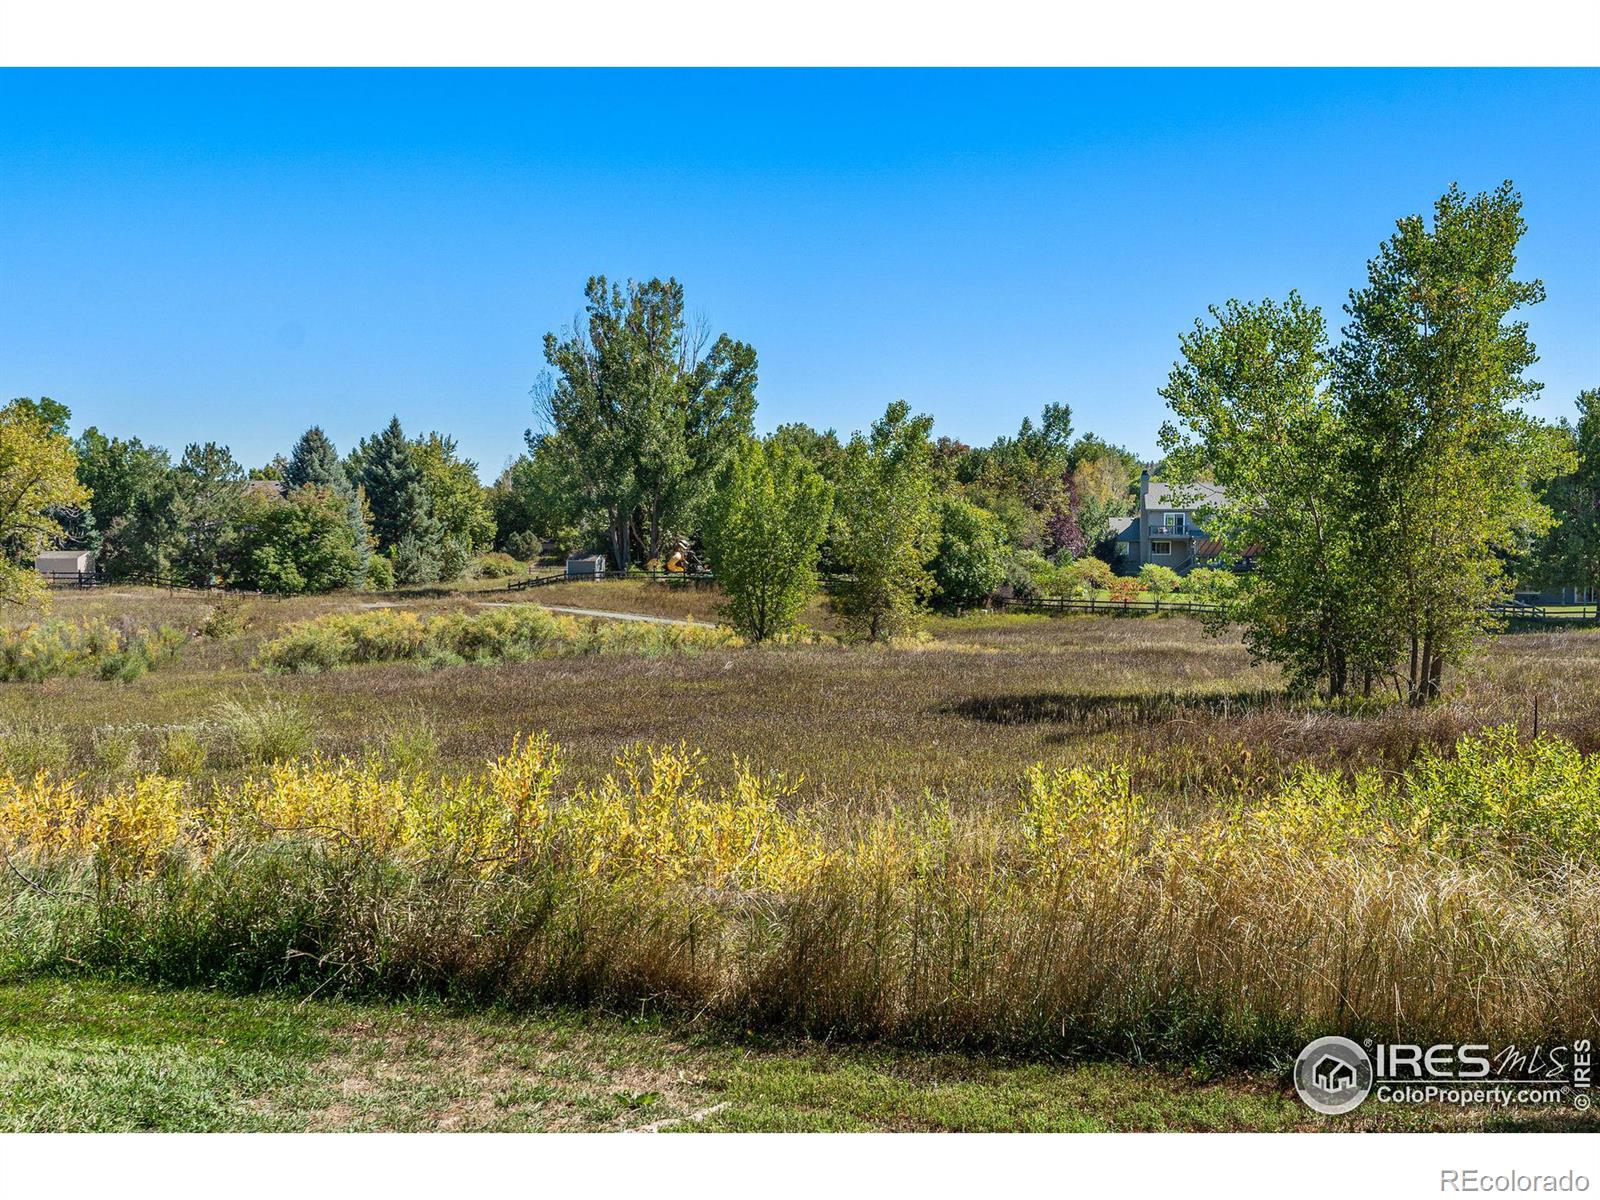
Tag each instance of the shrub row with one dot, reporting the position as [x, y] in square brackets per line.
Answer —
[512, 634]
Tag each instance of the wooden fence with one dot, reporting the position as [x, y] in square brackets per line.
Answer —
[1065, 604]
[673, 578]
[1515, 615]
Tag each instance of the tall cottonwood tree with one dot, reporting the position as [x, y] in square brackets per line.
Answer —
[646, 419]
[1255, 414]
[1386, 482]
[886, 526]
[1443, 461]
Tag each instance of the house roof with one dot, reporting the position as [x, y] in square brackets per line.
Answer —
[1124, 529]
[1205, 494]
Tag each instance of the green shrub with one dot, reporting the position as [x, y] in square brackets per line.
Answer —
[1026, 573]
[54, 648]
[497, 565]
[380, 573]
[415, 561]
[224, 620]
[28, 747]
[264, 731]
[1082, 578]
[116, 752]
[181, 754]
[1159, 580]
[1210, 584]
[454, 558]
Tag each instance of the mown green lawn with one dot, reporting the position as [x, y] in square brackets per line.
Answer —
[78, 1055]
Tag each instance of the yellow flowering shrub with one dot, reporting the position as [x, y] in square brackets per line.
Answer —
[655, 818]
[41, 815]
[1075, 816]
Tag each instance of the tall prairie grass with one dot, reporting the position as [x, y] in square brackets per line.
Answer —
[1458, 902]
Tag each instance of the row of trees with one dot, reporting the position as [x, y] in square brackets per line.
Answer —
[393, 510]
[645, 442]
[1390, 485]
[1393, 483]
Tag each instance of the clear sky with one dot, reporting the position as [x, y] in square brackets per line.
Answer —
[233, 256]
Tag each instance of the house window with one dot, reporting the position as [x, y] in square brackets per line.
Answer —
[1160, 549]
[1173, 522]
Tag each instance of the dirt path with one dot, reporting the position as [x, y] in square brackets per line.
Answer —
[602, 612]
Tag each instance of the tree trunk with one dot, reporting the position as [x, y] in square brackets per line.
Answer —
[619, 539]
[1436, 677]
[1424, 672]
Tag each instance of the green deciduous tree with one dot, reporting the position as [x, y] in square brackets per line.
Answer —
[301, 543]
[38, 475]
[457, 501]
[646, 419]
[1442, 457]
[971, 559]
[1384, 484]
[764, 530]
[1570, 556]
[133, 504]
[1254, 412]
[886, 524]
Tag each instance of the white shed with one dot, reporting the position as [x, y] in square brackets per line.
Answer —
[586, 566]
[65, 562]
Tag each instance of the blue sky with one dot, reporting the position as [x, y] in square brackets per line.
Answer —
[192, 255]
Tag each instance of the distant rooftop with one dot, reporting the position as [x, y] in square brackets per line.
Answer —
[1203, 494]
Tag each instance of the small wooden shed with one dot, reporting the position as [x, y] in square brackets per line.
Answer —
[586, 566]
[57, 564]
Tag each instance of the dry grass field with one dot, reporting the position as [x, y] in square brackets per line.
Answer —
[930, 929]
[962, 713]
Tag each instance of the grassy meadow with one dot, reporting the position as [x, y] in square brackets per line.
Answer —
[1021, 872]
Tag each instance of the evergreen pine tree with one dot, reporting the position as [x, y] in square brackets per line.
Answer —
[314, 460]
[398, 498]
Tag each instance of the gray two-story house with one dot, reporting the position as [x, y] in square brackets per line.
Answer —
[1163, 532]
